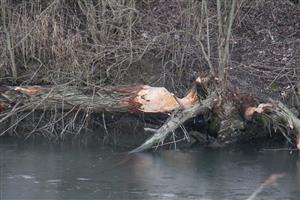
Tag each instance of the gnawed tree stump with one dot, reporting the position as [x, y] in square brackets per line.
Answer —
[232, 111]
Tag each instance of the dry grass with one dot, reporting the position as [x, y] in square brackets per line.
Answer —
[104, 42]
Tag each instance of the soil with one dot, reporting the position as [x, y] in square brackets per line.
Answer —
[266, 48]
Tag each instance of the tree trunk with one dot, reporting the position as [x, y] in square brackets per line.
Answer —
[134, 99]
[231, 111]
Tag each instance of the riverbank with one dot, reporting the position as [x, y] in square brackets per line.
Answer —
[88, 45]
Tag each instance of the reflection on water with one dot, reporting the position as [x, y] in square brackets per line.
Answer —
[65, 172]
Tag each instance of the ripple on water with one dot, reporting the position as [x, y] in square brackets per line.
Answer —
[21, 176]
[54, 181]
[83, 179]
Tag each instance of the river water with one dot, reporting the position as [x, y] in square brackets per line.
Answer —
[49, 171]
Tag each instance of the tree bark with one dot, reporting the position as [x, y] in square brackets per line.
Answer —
[134, 99]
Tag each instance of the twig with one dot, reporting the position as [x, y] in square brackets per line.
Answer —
[270, 181]
[9, 43]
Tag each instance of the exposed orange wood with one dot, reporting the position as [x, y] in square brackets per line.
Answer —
[190, 99]
[29, 90]
[159, 99]
[3, 106]
[261, 108]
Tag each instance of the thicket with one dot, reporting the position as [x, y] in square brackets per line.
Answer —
[100, 42]
[129, 41]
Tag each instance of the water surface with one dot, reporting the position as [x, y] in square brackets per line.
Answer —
[48, 171]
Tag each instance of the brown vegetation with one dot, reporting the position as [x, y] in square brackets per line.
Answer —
[243, 51]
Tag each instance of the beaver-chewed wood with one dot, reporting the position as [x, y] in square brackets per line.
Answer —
[134, 99]
[205, 98]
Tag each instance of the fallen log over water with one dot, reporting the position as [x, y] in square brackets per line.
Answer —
[134, 99]
[231, 111]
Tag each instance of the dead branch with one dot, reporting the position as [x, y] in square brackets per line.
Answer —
[175, 120]
[9, 42]
[270, 181]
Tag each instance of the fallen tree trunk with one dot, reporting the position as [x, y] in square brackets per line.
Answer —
[134, 99]
[230, 110]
